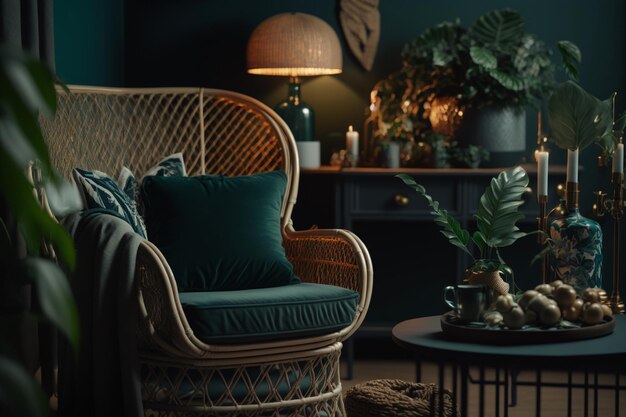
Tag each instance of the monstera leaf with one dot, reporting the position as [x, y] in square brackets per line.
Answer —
[451, 228]
[510, 81]
[498, 209]
[499, 28]
[577, 119]
[483, 57]
[571, 56]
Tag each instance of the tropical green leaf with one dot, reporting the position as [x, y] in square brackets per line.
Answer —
[19, 393]
[5, 243]
[545, 251]
[498, 208]
[479, 240]
[54, 296]
[499, 28]
[570, 56]
[35, 223]
[509, 81]
[452, 229]
[577, 119]
[24, 94]
[483, 57]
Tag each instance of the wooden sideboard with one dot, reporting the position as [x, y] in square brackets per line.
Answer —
[412, 261]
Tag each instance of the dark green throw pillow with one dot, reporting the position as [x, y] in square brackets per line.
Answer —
[219, 233]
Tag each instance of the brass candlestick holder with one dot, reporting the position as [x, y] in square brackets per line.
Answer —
[542, 225]
[616, 209]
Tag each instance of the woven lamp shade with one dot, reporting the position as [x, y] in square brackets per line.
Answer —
[294, 44]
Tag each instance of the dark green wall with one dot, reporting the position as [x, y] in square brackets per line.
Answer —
[89, 41]
[202, 43]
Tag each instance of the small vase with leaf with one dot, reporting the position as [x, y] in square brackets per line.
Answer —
[496, 223]
[577, 119]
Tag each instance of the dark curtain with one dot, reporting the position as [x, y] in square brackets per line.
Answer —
[27, 25]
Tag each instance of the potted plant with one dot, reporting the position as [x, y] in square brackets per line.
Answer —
[28, 90]
[485, 74]
[495, 223]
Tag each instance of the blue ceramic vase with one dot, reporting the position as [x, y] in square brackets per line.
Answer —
[577, 257]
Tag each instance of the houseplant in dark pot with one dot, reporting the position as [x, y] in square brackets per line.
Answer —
[492, 70]
[496, 219]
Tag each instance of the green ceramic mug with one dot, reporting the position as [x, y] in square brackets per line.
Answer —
[468, 301]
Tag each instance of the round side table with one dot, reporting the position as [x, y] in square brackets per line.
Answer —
[605, 354]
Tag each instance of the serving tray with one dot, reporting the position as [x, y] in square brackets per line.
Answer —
[474, 332]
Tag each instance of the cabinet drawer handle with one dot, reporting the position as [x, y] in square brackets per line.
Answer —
[401, 200]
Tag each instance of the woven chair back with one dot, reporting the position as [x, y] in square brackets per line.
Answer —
[219, 132]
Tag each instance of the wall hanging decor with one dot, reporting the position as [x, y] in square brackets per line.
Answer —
[360, 22]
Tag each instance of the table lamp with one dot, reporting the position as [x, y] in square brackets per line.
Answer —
[296, 45]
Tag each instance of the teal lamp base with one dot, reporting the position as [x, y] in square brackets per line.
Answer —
[298, 115]
[300, 118]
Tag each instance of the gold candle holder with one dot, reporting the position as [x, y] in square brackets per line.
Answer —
[617, 211]
[542, 225]
[571, 196]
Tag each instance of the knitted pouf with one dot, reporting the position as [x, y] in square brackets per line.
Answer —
[396, 398]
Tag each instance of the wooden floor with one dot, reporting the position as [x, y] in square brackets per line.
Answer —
[553, 400]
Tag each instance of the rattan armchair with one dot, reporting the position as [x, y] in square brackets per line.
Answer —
[219, 132]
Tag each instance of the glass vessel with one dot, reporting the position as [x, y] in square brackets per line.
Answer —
[298, 115]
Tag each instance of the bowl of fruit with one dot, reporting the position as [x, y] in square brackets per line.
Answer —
[549, 313]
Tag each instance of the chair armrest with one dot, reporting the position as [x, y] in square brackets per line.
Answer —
[333, 257]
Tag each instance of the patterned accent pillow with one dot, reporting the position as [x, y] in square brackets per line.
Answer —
[170, 166]
[128, 183]
[97, 189]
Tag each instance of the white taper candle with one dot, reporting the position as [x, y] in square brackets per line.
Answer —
[352, 143]
[618, 159]
[572, 165]
[542, 172]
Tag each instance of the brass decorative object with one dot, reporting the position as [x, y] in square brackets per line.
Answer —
[542, 225]
[616, 208]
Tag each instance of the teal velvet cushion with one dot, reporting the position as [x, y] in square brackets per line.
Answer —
[285, 312]
[219, 233]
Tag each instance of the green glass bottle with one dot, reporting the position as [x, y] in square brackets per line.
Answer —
[298, 115]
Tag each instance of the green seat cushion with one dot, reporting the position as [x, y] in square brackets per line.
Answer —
[219, 233]
[284, 312]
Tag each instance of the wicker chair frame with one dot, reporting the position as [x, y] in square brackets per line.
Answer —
[219, 132]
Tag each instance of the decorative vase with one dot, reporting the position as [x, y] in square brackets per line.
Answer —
[500, 130]
[577, 256]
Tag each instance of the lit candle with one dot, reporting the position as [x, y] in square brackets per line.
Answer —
[618, 159]
[572, 165]
[542, 172]
[352, 144]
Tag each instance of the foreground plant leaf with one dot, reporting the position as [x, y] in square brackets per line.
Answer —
[19, 392]
[452, 229]
[54, 296]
